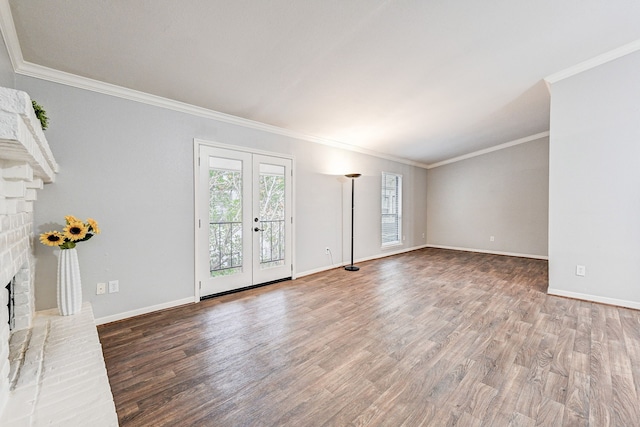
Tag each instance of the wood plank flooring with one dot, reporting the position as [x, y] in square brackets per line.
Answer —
[427, 338]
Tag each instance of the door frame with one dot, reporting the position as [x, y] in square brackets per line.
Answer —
[197, 143]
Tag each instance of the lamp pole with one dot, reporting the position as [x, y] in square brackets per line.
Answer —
[353, 177]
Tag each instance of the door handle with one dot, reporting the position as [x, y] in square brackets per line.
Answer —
[257, 229]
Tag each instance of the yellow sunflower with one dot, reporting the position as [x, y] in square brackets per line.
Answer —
[75, 231]
[94, 225]
[52, 238]
[70, 219]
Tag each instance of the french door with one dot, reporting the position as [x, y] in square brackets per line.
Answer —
[244, 222]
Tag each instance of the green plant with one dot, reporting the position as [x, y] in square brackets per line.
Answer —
[40, 114]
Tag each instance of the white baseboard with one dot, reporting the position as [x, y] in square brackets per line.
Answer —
[594, 298]
[143, 310]
[484, 251]
[318, 270]
[369, 258]
[170, 304]
[389, 253]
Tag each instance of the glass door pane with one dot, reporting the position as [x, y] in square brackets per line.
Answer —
[272, 185]
[224, 258]
[225, 216]
[272, 215]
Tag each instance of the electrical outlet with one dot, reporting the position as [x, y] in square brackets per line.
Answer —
[114, 286]
[492, 239]
[423, 235]
[581, 270]
[101, 288]
[327, 250]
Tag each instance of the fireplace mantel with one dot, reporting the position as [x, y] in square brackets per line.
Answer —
[21, 138]
[26, 163]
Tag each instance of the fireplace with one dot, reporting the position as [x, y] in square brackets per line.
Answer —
[26, 164]
[38, 385]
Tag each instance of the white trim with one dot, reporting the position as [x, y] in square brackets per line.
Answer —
[484, 251]
[293, 218]
[144, 310]
[594, 298]
[320, 270]
[593, 62]
[415, 248]
[391, 253]
[490, 149]
[184, 301]
[249, 150]
[196, 225]
[20, 66]
[369, 258]
[10, 35]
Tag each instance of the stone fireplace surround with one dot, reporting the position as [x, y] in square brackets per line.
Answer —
[52, 370]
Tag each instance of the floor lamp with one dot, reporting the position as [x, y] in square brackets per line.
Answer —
[353, 177]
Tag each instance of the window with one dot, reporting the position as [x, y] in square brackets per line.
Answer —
[391, 209]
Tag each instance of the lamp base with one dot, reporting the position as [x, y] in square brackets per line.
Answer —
[352, 268]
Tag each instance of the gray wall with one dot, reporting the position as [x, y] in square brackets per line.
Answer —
[130, 166]
[595, 183]
[503, 194]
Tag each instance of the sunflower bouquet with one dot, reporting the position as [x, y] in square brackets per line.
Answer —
[74, 232]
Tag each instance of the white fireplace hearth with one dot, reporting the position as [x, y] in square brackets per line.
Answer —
[51, 367]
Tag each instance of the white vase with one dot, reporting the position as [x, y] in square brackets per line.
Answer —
[69, 285]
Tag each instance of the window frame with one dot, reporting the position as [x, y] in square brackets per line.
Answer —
[398, 204]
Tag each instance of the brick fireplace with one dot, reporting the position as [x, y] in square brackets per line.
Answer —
[26, 163]
[51, 367]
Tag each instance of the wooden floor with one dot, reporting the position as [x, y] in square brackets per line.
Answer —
[431, 337]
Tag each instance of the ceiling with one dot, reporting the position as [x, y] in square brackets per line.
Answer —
[423, 80]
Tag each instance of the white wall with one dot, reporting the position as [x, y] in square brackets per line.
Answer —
[503, 194]
[130, 166]
[594, 211]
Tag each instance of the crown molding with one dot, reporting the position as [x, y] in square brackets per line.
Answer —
[22, 67]
[9, 34]
[33, 70]
[593, 62]
[490, 149]
[29, 69]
